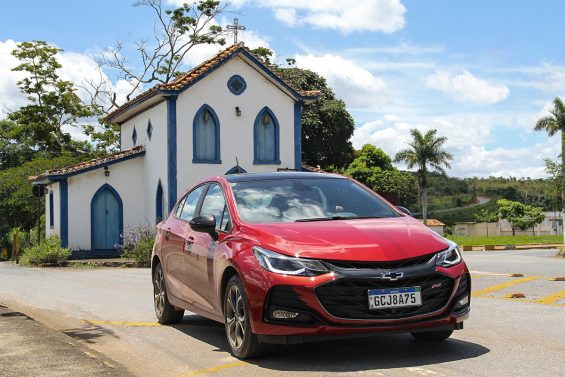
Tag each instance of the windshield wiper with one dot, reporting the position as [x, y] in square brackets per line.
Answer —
[336, 218]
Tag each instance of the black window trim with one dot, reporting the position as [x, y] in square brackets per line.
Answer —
[201, 201]
[198, 204]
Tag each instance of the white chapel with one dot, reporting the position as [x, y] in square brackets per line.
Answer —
[230, 114]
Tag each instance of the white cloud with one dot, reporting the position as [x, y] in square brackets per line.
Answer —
[345, 16]
[465, 87]
[354, 84]
[468, 137]
[10, 97]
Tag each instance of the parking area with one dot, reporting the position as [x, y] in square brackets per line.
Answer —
[110, 310]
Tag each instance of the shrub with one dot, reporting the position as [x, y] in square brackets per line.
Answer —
[138, 244]
[49, 251]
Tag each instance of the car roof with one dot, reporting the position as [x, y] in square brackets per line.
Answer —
[279, 175]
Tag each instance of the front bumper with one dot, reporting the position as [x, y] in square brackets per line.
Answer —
[324, 321]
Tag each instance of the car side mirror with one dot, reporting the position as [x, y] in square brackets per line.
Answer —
[405, 210]
[205, 224]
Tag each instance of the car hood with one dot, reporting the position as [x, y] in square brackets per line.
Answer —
[385, 239]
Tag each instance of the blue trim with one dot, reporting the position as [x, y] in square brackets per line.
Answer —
[298, 135]
[51, 210]
[120, 137]
[159, 216]
[172, 150]
[241, 81]
[64, 207]
[60, 177]
[258, 122]
[134, 136]
[106, 186]
[149, 129]
[216, 160]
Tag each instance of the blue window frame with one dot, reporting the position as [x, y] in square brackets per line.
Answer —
[134, 136]
[206, 136]
[149, 129]
[237, 85]
[266, 146]
[51, 210]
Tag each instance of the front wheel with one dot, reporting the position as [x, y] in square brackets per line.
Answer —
[165, 312]
[432, 336]
[242, 342]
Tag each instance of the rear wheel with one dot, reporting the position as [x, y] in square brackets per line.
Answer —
[242, 342]
[432, 336]
[165, 312]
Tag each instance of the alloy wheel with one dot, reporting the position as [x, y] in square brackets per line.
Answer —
[235, 317]
[159, 294]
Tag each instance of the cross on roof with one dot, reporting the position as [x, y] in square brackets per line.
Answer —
[235, 27]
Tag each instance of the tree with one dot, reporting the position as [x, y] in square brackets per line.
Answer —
[486, 216]
[552, 124]
[327, 126]
[556, 183]
[373, 168]
[40, 126]
[520, 216]
[425, 152]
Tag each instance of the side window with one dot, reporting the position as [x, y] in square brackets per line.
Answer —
[190, 203]
[215, 204]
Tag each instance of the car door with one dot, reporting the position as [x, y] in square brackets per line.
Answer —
[177, 232]
[200, 259]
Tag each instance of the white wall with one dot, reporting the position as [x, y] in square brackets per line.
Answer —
[126, 177]
[155, 166]
[236, 133]
[56, 230]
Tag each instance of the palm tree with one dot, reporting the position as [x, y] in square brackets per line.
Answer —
[554, 123]
[426, 153]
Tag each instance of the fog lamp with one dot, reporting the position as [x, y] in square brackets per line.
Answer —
[284, 314]
[464, 301]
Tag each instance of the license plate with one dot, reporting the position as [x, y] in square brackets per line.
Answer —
[394, 298]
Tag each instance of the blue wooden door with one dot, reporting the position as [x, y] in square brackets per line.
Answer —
[106, 220]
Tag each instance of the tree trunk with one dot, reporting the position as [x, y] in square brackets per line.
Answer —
[563, 183]
[486, 223]
[425, 205]
[513, 230]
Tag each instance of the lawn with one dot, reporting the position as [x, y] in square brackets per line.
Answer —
[506, 240]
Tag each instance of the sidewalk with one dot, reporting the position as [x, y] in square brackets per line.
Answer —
[28, 348]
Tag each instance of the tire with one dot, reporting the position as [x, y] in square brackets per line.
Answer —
[236, 319]
[432, 336]
[165, 312]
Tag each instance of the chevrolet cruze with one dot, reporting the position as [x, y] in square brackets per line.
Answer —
[295, 257]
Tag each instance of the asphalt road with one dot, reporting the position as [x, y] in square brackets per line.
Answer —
[111, 311]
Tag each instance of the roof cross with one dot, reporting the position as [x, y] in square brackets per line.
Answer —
[235, 27]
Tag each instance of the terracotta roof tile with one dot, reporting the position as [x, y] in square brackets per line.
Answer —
[200, 70]
[90, 163]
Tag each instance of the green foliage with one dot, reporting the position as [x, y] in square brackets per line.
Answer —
[18, 206]
[555, 183]
[138, 244]
[327, 126]
[53, 104]
[373, 168]
[506, 240]
[49, 251]
[520, 215]
[486, 216]
[264, 54]
[463, 214]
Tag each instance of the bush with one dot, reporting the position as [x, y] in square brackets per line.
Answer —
[49, 251]
[138, 244]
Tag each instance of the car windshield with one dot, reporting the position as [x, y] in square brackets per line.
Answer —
[306, 199]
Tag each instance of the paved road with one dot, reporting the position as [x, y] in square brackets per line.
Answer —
[111, 311]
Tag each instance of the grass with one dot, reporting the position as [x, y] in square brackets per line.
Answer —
[506, 240]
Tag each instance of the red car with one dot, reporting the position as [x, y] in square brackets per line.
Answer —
[295, 257]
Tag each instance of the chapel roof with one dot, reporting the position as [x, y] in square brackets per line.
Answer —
[81, 167]
[204, 68]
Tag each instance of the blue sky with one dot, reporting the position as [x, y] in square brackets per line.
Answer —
[481, 72]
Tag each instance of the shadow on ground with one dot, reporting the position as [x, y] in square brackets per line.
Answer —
[383, 351]
[89, 334]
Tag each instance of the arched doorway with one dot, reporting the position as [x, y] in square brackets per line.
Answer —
[106, 210]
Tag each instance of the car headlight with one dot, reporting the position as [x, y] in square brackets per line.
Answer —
[449, 257]
[282, 264]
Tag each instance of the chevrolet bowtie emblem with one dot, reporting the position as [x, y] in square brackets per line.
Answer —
[392, 275]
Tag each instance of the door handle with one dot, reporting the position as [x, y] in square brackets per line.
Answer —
[188, 244]
[190, 240]
[167, 233]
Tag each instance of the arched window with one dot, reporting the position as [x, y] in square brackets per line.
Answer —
[206, 136]
[266, 138]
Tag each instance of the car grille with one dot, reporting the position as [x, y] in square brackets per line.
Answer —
[348, 298]
[392, 265]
